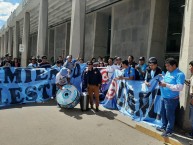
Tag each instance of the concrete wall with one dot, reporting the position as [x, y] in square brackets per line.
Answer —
[68, 27]
[158, 31]
[89, 36]
[101, 34]
[185, 57]
[33, 45]
[51, 39]
[59, 40]
[130, 25]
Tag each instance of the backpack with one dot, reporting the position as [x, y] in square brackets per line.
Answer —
[137, 77]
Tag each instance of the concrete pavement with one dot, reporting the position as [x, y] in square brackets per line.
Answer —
[45, 124]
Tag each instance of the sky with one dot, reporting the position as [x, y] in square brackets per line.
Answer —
[6, 7]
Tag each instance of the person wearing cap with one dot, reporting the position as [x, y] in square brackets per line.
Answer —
[94, 80]
[62, 78]
[141, 67]
[33, 63]
[7, 61]
[44, 63]
[172, 84]
[152, 71]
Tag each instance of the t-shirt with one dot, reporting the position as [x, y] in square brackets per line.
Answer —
[111, 69]
[175, 77]
[129, 72]
[69, 65]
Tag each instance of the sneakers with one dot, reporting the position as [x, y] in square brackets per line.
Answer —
[162, 129]
[167, 134]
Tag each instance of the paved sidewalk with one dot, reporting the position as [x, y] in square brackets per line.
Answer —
[176, 139]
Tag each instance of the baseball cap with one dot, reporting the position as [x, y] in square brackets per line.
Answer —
[7, 54]
[152, 60]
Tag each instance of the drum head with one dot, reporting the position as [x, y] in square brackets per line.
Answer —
[68, 97]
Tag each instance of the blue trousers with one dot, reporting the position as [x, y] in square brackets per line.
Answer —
[191, 115]
[168, 107]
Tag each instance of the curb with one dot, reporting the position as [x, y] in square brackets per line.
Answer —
[142, 127]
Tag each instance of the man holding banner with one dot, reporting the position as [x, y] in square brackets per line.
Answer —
[172, 84]
[129, 72]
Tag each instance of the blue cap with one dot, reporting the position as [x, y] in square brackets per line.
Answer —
[64, 71]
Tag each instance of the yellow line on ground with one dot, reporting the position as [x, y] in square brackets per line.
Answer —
[157, 136]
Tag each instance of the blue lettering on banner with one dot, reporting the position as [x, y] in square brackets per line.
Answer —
[22, 85]
[135, 99]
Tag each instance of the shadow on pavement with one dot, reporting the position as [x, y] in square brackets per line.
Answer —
[13, 106]
[181, 138]
[77, 113]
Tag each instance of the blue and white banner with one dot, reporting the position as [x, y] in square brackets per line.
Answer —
[135, 99]
[23, 85]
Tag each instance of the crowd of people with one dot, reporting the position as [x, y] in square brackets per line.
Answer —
[172, 83]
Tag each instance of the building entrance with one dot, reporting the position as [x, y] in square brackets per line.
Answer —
[175, 22]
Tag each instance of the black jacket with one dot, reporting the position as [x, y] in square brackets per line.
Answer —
[94, 77]
[148, 73]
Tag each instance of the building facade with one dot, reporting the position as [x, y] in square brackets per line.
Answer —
[92, 28]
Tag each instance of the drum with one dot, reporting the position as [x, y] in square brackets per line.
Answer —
[68, 97]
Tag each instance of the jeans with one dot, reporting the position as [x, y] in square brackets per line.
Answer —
[168, 107]
[191, 115]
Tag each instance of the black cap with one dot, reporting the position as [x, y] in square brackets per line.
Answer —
[7, 54]
[44, 57]
[141, 58]
[152, 60]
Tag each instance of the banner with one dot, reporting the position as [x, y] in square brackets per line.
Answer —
[23, 85]
[135, 99]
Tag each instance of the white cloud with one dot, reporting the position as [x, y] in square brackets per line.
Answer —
[5, 9]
